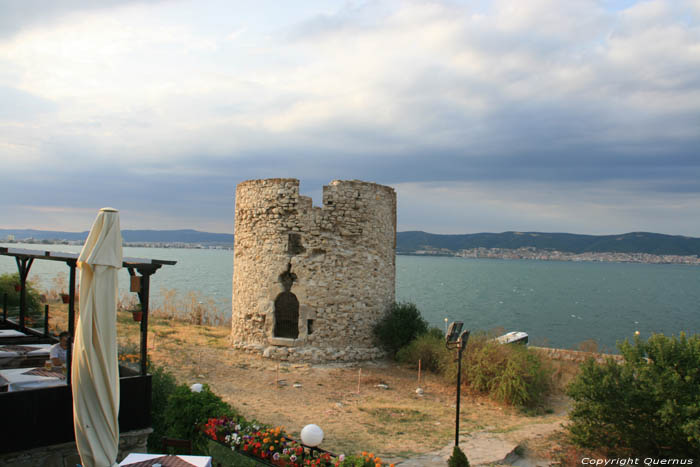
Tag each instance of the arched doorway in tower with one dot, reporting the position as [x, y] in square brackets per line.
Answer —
[286, 315]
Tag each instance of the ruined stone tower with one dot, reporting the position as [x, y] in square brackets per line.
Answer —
[309, 283]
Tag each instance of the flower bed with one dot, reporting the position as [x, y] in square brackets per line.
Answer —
[272, 446]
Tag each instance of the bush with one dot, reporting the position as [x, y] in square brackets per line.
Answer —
[458, 458]
[512, 374]
[163, 384]
[7, 286]
[401, 324]
[649, 405]
[429, 348]
[186, 411]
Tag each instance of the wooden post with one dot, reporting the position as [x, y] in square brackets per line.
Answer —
[359, 379]
[419, 362]
[46, 320]
[277, 376]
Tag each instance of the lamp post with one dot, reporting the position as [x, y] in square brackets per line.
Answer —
[455, 340]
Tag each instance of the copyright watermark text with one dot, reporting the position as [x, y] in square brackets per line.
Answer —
[623, 461]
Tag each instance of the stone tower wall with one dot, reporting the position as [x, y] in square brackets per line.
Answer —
[342, 258]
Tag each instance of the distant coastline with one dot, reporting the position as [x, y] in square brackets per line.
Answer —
[633, 247]
[481, 253]
[554, 255]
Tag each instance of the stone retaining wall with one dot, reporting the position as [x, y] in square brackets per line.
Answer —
[576, 356]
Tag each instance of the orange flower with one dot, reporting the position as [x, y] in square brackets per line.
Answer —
[364, 453]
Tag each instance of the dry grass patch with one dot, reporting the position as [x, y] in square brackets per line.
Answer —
[393, 423]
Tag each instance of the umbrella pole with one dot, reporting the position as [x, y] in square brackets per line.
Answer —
[71, 320]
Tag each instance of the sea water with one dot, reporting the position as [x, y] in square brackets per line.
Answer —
[559, 304]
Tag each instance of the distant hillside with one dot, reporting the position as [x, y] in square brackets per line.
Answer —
[410, 242]
[634, 242]
[130, 236]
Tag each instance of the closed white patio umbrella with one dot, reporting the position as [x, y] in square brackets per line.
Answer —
[95, 372]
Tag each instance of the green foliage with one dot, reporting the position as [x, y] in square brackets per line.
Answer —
[163, 384]
[649, 405]
[429, 348]
[225, 456]
[7, 286]
[186, 411]
[458, 458]
[401, 324]
[512, 374]
[177, 412]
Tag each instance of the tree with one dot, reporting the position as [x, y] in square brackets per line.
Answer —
[401, 324]
[649, 405]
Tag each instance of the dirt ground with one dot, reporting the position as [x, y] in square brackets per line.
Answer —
[366, 406]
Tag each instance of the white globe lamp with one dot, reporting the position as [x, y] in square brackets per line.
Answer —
[311, 435]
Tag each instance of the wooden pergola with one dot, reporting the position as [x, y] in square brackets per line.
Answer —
[139, 268]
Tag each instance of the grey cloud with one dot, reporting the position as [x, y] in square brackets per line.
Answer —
[18, 15]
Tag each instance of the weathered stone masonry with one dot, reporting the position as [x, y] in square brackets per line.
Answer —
[309, 283]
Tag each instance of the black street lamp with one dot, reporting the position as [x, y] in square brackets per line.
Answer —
[455, 340]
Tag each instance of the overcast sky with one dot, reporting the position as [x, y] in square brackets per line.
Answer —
[541, 115]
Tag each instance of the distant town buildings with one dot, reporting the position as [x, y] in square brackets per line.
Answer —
[495, 253]
[554, 255]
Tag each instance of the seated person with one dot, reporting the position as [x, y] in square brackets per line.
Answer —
[59, 351]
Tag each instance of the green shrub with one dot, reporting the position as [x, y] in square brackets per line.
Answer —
[163, 384]
[458, 458]
[399, 326]
[226, 456]
[186, 411]
[512, 374]
[7, 286]
[648, 405]
[429, 348]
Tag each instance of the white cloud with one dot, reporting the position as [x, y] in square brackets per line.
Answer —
[540, 90]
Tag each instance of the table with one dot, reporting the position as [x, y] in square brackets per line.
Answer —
[19, 352]
[17, 379]
[11, 333]
[196, 461]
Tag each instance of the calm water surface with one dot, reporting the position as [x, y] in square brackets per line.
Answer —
[559, 304]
